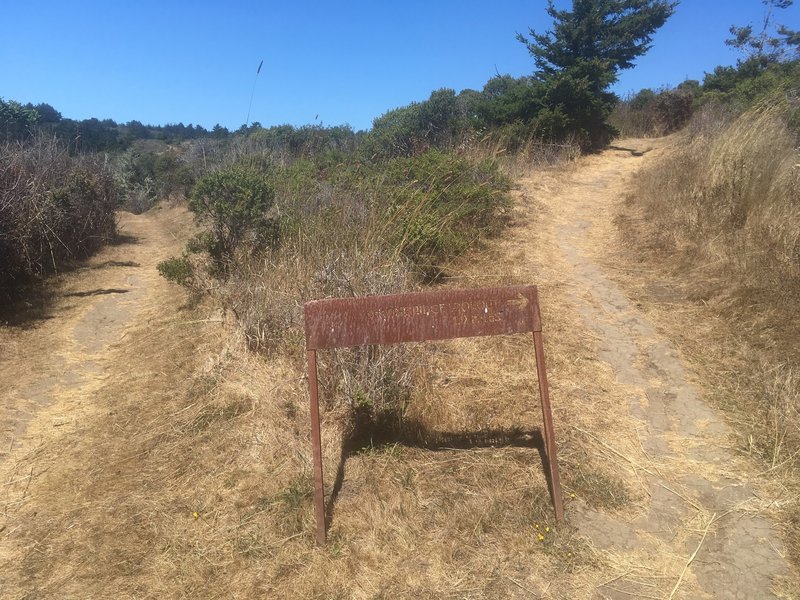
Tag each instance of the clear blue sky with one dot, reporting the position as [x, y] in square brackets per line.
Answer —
[166, 61]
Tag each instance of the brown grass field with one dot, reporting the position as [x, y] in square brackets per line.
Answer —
[152, 456]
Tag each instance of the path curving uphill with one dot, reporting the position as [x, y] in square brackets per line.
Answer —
[700, 514]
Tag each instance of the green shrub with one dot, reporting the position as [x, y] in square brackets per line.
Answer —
[749, 82]
[235, 202]
[177, 269]
[443, 202]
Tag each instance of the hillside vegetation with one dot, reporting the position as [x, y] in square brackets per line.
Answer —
[55, 209]
[189, 474]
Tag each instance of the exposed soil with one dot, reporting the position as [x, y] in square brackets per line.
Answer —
[658, 503]
[699, 497]
[58, 351]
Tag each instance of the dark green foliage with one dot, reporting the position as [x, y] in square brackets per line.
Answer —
[235, 203]
[643, 99]
[612, 33]
[16, 121]
[438, 122]
[303, 142]
[506, 100]
[580, 58]
[732, 90]
[177, 269]
[575, 104]
[749, 82]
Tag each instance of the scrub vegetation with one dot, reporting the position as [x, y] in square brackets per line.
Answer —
[189, 473]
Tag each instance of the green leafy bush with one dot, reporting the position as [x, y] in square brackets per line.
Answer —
[177, 269]
[235, 202]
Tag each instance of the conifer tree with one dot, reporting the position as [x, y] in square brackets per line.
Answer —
[580, 57]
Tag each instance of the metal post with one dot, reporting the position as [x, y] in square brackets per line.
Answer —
[549, 434]
[316, 442]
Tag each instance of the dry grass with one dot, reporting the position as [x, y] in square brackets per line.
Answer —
[727, 201]
[197, 484]
[54, 208]
[192, 478]
[722, 206]
[532, 154]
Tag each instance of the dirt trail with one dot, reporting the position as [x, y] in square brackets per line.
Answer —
[55, 357]
[691, 525]
[698, 498]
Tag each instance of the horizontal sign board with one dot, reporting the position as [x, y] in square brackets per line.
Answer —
[436, 315]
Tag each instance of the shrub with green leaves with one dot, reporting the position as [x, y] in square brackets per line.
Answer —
[235, 202]
[444, 202]
[177, 269]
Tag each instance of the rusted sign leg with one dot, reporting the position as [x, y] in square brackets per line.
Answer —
[549, 434]
[316, 442]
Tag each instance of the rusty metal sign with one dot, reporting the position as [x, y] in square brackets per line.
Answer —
[420, 317]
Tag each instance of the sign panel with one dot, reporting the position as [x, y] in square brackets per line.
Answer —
[424, 316]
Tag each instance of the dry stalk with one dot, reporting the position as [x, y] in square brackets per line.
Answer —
[692, 557]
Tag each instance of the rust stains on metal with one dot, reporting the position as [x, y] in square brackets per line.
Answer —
[424, 316]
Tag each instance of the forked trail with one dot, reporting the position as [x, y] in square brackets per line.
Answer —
[107, 446]
[697, 514]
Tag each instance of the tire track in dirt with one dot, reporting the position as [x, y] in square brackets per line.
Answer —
[699, 499]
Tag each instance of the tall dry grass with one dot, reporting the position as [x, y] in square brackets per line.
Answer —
[517, 156]
[54, 208]
[719, 213]
[727, 201]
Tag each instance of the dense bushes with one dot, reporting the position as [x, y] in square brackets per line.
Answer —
[150, 171]
[54, 208]
[443, 202]
[281, 234]
[749, 82]
[16, 121]
[650, 113]
[735, 89]
[235, 203]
